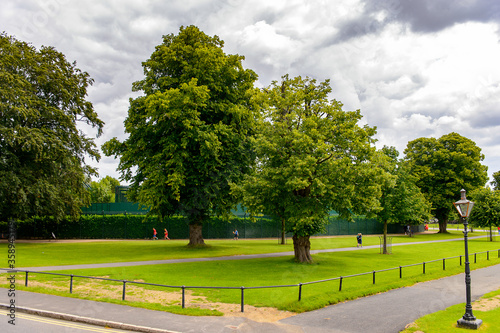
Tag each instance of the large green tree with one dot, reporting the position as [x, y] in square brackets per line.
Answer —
[486, 210]
[313, 158]
[401, 200]
[189, 132]
[42, 150]
[443, 167]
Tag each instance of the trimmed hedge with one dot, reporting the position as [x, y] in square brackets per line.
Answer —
[141, 227]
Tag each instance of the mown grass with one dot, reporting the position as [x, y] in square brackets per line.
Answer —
[59, 253]
[446, 321]
[283, 271]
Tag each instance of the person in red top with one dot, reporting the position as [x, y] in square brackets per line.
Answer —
[166, 234]
[154, 234]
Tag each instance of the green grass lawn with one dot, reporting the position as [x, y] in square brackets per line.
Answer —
[59, 253]
[260, 272]
[446, 321]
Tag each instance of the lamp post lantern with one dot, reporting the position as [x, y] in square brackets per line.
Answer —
[464, 207]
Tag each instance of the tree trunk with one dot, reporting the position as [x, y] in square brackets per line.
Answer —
[442, 225]
[385, 238]
[195, 235]
[302, 249]
[283, 233]
[491, 234]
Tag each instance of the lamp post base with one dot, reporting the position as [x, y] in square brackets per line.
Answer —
[470, 324]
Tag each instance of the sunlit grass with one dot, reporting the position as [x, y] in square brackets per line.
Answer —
[283, 271]
[61, 253]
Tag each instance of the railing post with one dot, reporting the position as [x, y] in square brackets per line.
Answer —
[423, 265]
[400, 272]
[475, 255]
[460, 260]
[242, 299]
[340, 284]
[183, 297]
[71, 284]
[26, 279]
[487, 255]
[373, 277]
[123, 295]
[444, 264]
[300, 291]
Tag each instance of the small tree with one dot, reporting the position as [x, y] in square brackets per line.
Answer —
[313, 158]
[103, 191]
[486, 211]
[401, 199]
[443, 167]
[42, 148]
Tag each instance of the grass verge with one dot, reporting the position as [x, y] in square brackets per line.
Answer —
[486, 309]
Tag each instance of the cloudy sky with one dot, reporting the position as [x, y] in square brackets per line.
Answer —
[415, 68]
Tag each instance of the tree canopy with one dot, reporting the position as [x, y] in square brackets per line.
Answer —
[42, 151]
[189, 132]
[486, 210]
[443, 167]
[313, 158]
[103, 191]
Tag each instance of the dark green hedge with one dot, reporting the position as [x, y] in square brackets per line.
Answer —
[141, 227]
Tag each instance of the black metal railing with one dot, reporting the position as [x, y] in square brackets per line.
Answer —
[299, 285]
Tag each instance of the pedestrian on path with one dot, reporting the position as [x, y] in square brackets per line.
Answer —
[154, 234]
[235, 233]
[359, 238]
[166, 234]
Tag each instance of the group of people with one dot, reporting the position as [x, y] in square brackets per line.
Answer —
[155, 233]
[235, 233]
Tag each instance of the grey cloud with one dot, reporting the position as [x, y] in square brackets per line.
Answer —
[486, 117]
[435, 15]
[423, 16]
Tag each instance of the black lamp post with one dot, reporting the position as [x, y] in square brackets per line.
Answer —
[464, 208]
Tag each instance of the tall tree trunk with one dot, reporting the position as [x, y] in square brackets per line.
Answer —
[283, 233]
[195, 235]
[491, 234]
[302, 249]
[385, 238]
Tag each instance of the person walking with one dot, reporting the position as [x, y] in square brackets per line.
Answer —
[166, 234]
[359, 238]
[235, 233]
[154, 234]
